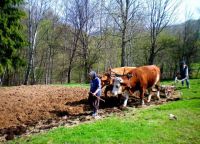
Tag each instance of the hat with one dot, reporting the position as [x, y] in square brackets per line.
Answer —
[92, 74]
[183, 63]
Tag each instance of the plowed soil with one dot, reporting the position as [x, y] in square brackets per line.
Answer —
[29, 109]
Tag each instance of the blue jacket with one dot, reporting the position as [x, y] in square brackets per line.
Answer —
[95, 84]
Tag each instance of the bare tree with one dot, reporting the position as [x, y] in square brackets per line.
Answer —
[124, 13]
[87, 21]
[73, 17]
[81, 14]
[53, 33]
[160, 14]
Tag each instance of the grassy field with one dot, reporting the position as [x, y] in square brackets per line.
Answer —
[74, 85]
[137, 126]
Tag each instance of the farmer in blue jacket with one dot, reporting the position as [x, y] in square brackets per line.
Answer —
[95, 92]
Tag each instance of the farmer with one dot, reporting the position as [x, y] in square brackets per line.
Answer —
[184, 74]
[95, 92]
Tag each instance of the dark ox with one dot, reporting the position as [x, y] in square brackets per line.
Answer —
[107, 78]
[140, 78]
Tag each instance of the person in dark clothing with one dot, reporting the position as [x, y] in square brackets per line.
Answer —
[95, 92]
[184, 74]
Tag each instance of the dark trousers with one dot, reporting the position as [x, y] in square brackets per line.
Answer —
[93, 102]
[187, 81]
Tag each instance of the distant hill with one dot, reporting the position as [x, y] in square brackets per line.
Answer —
[191, 24]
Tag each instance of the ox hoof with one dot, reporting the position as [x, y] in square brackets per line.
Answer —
[142, 106]
[123, 108]
[148, 104]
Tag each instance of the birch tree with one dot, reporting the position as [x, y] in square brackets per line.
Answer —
[36, 10]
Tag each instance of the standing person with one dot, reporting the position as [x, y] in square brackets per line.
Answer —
[95, 92]
[184, 74]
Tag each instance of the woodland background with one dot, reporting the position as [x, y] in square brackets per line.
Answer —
[50, 41]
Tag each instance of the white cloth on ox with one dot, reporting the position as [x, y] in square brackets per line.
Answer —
[126, 95]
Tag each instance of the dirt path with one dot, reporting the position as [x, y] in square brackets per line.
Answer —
[31, 109]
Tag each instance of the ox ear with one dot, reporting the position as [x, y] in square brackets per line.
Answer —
[129, 75]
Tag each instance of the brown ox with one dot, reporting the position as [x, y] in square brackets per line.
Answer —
[140, 78]
[107, 78]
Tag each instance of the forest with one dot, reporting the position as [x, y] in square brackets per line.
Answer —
[52, 41]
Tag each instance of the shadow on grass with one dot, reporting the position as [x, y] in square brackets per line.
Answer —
[192, 98]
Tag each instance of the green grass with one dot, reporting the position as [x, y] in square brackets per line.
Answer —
[74, 85]
[138, 126]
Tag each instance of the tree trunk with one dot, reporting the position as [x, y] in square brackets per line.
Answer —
[33, 79]
[49, 63]
[72, 55]
[51, 67]
[32, 43]
[33, 58]
[151, 58]
[69, 74]
[86, 71]
[30, 48]
[123, 54]
[153, 47]
[46, 66]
